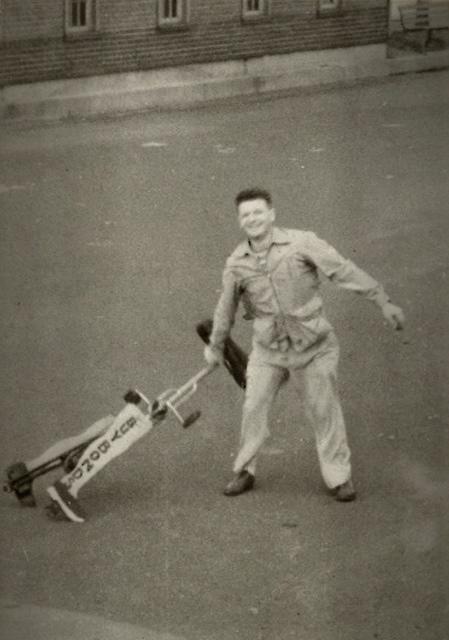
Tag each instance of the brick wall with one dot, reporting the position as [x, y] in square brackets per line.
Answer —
[33, 46]
[24, 19]
[134, 15]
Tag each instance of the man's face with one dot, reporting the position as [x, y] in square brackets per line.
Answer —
[256, 218]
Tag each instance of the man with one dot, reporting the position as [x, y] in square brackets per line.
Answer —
[274, 272]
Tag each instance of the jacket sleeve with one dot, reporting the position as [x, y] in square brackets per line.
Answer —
[225, 311]
[343, 272]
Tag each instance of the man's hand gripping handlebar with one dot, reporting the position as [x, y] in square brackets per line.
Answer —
[171, 399]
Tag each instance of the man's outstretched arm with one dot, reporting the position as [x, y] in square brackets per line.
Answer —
[347, 275]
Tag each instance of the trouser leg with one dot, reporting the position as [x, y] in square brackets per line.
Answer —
[61, 447]
[263, 382]
[129, 426]
[322, 404]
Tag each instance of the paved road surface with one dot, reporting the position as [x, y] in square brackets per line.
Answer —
[112, 239]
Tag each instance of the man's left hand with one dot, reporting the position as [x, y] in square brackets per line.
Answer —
[394, 316]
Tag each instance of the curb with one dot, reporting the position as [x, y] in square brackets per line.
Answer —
[25, 621]
[192, 85]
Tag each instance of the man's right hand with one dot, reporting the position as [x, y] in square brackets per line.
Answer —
[394, 316]
[211, 356]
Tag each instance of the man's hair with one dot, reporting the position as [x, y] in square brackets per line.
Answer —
[254, 193]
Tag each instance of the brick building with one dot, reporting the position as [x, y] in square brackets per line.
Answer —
[56, 39]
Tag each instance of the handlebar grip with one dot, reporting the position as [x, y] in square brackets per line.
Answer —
[193, 417]
[132, 397]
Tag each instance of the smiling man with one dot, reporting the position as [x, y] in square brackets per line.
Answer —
[275, 273]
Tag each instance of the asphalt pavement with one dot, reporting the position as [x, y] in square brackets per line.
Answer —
[113, 234]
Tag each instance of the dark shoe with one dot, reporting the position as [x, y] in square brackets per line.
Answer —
[241, 483]
[345, 492]
[67, 503]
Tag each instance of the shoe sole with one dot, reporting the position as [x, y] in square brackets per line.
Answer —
[349, 498]
[235, 494]
[71, 515]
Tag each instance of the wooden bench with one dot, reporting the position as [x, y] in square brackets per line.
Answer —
[426, 18]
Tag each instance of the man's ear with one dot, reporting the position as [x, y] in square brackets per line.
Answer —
[273, 214]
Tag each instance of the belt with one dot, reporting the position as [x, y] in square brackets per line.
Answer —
[281, 345]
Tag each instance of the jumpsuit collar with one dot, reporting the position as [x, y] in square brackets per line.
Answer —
[279, 236]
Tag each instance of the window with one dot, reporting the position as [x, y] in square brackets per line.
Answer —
[79, 16]
[329, 7]
[254, 9]
[252, 6]
[172, 13]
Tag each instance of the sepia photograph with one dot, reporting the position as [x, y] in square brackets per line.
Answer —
[224, 310]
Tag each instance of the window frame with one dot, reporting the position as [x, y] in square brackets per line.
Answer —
[329, 7]
[254, 16]
[180, 22]
[91, 25]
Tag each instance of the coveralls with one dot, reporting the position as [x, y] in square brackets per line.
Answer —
[291, 336]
